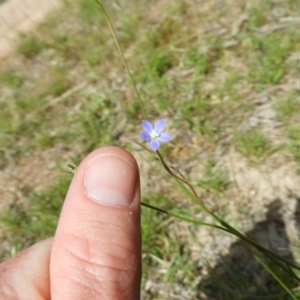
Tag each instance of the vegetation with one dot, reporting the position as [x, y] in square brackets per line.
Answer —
[226, 81]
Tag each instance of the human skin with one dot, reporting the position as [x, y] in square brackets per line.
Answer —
[96, 250]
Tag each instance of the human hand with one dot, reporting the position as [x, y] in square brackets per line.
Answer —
[96, 250]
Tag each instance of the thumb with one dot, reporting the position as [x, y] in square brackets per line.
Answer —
[96, 250]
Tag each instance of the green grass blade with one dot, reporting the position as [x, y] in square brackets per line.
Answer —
[274, 257]
[276, 277]
[169, 213]
[122, 55]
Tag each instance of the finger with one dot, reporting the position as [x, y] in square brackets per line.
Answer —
[26, 276]
[96, 251]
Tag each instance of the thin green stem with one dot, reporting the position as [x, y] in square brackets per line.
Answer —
[168, 169]
[184, 184]
[122, 56]
[193, 196]
[276, 278]
[197, 222]
[182, 179]
[274, 257]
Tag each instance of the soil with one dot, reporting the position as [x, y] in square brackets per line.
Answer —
[20, 16]
[269, 192]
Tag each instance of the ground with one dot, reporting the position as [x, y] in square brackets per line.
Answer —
[225, 78]
[20, 17]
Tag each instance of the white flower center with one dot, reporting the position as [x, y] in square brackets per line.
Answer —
[154, 134]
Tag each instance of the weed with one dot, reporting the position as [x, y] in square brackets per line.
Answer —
[44, 140]
[294, 143]
[253, 143]
[93, 120]
[93, 56]
[167, 31]
[294, 5]
[130, 22]
[198, 60]
[215, 178]
[28, 221]
[11, 78]
[160, 62]
[258, 16]
[31, 46]
[163, 250]
[271, 52]
[288, 107]
[198, 112]
[58, 84]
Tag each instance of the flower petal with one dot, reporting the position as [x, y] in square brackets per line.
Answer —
[154, 144]
[145, 136]
[160, 126]
[147, 126]
[164, 137]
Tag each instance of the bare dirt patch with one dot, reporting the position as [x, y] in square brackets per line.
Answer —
[20, 17]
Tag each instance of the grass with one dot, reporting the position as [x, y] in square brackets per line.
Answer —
[253, 143]
[269, 61]
[31, 46]
[65, 92]
[27, 221]
[215, 178]
[294, 143]
[11, 78]
[288, 108]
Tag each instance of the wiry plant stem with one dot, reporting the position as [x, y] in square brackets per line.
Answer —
[122, 56]
[187, 187]
[224, 225]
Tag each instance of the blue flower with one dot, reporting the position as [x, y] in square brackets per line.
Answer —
[154, 135]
